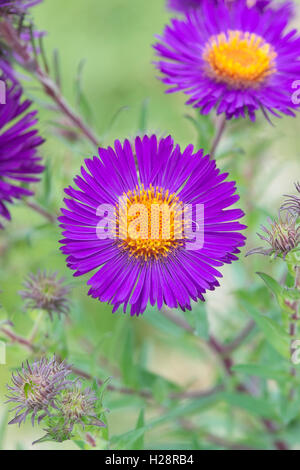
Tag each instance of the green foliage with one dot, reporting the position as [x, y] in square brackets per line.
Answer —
[273, 332]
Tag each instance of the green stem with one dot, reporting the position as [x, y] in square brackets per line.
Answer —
[220, 131]
[36, 326]
[293, 325]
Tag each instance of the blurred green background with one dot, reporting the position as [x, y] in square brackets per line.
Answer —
[114, 39]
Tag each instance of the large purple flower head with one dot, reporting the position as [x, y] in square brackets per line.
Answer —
[19, 142]
[234, 59]
[142, 193]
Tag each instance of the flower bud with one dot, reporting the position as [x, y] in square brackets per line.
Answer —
[36, 387]
[45, 291]
[282, 236]
[79, 406]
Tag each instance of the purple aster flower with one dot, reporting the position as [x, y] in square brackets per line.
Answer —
[236, 60]
[19, 141]
[159, 264]
[36, 387]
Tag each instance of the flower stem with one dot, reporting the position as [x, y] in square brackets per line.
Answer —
[220, 131]
[293, 325]
[35, 328]
[40, 210]
[17, 339]
[30, 63]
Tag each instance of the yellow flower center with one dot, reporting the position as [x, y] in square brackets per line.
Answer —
[239, 59]
[149, 223]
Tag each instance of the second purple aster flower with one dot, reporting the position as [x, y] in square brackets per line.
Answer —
[19, 142]
[236, 60]
[149, 266]
[185, 5]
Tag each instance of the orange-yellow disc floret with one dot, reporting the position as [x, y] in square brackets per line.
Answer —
[149, 222]
[239, 59]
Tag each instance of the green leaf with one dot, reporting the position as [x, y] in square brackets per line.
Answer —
[197, 318]
[20, 446]
[144, 116]
[160, 386]
[280, 293]
[196, 406]
[3, 424]
[81, 100]
[266, 371]
[275, 287]
[101, 390]
[293, 294]
[114, 119]
[126, 440]
[274, 333]
[256, 406]
[127, 367]
[162, 323]
[105, 430]
[204, 127]
[80, 444]
[124, 401]
[201, 324]
[160, 390]
[191, 408]
[47, 184]
[139, 442]
[289, 410]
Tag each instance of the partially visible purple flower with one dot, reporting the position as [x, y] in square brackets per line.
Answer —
[36, 387]
[235, 59]
[183, 5]
[47, 292]
[20, 40]
[19, 142]
[283, 236]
